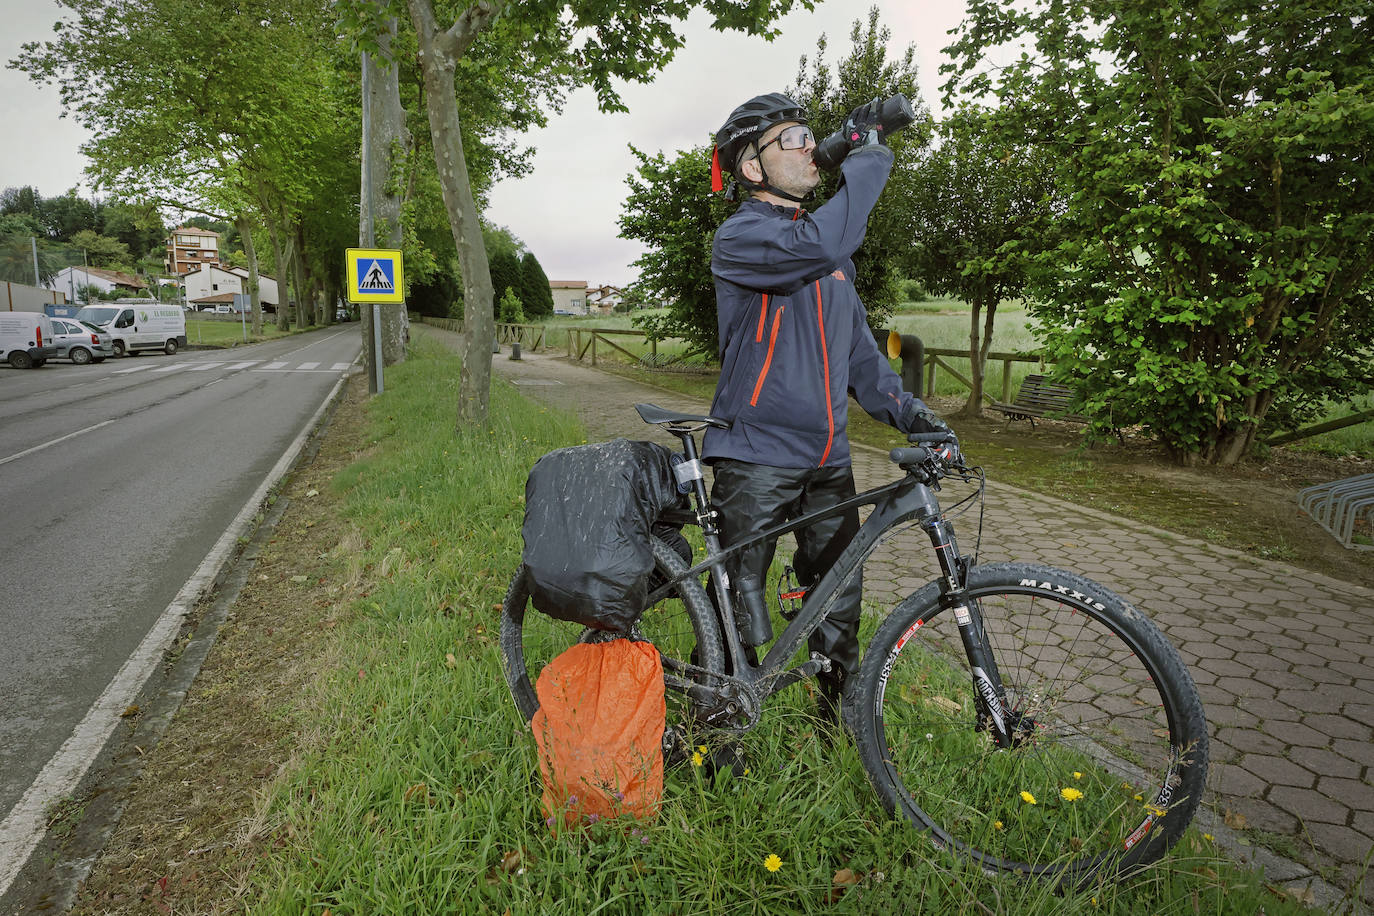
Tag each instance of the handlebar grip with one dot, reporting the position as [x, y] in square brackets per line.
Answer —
[930, 438]
[909, 457]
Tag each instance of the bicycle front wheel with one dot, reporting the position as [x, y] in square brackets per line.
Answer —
[1109, 751]
[680, 626]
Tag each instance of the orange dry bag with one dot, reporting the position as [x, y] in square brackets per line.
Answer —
[599, 728]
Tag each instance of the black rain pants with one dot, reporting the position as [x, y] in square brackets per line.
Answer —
[755, 497]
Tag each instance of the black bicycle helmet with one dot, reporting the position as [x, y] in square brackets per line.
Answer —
[745, 125]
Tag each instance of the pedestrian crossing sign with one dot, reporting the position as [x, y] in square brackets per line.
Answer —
[375, 275]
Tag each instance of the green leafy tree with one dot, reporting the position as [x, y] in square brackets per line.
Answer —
[532, 52]
[505, 273]
[101, 250]
[670, 208]
[1210, 271]
[535, 291]
[867, 74]
[976, 207]
[17, 249]
[510, 310]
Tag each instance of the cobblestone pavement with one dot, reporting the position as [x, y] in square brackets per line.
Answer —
[1283, 657]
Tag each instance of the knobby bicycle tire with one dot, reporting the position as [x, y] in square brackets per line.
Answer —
[1110, 756]
[681, 623]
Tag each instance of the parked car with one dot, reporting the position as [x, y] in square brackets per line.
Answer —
[81, 342]
[26, 339]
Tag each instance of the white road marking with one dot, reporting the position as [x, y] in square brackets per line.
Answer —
[39, 448]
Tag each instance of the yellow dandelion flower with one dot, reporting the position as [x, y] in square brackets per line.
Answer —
[772, 863]
[697, 759]
[1077, 775]
[1209, 838]
[997, 825]
[1138, 797]
[1070, 794]
[701, 748]
[1028, 798]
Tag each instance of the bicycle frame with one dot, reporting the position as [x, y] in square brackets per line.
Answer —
[894, 503]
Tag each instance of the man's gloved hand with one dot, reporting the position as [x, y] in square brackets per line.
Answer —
[918, 418]
[863, 127]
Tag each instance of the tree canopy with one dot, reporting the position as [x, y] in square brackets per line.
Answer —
[976, 206]
[1210, 271]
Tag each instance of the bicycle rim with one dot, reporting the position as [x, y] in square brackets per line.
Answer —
[1109, 758]
[676, 626]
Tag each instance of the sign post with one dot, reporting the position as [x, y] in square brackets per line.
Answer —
[375, 276]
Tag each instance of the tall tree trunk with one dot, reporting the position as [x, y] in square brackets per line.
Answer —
[279, 257]
[245, 227]
[298, 282]
[380, 223]
[978, 349]
[439, 55]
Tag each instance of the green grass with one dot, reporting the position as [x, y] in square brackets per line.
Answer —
[216, 333]
[415, 786]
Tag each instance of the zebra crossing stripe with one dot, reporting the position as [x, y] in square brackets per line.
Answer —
[132, 369]
[307, 365]
[203, 366]
[276, 365]
[339, 367]
[176, 368]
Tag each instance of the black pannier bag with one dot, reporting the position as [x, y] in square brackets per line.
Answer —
[589, 512]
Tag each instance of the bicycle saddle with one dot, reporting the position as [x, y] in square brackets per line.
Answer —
[652, 413]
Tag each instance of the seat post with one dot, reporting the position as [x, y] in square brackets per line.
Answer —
[691, 471]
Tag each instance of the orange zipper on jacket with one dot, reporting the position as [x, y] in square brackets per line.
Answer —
[763, 319]
[767, 360]
[825, 361]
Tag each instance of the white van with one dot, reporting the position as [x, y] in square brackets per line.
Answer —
[139, 326]
[26, 339]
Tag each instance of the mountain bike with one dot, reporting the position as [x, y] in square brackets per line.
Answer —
[1022, 716]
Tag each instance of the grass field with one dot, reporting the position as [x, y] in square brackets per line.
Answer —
[414, 787]
[218, 333]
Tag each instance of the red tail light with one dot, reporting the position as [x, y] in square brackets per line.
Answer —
[94, 339]
[39, 331]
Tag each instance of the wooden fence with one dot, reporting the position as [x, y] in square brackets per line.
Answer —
[583, 342]
[583, 345]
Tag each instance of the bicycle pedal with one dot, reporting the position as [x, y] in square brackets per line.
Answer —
[790, 598]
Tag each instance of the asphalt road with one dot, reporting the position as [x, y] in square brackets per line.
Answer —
[116, 481]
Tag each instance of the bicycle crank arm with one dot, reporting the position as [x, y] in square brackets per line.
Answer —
[805, 670]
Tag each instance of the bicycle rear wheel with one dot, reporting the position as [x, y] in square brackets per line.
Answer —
[683, 622]
[1110, 754]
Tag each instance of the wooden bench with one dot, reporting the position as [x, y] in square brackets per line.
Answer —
[1039, 397]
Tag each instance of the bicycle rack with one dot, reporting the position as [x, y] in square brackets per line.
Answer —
[1337, 505]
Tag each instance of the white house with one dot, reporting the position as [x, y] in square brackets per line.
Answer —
[70, 280]
[569, 297]
[210, 284]
[604, 299]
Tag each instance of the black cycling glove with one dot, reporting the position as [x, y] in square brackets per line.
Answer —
[863, 127]
[918, 418]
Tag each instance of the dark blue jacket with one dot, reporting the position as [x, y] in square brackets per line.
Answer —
[794, 337]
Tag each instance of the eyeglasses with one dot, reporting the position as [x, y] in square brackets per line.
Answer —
[795, 137]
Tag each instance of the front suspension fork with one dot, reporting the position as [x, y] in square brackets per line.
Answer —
[990, 694]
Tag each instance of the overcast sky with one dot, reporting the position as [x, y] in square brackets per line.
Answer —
[566, 210]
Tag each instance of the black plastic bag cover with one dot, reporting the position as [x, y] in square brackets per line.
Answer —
[589, 511]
